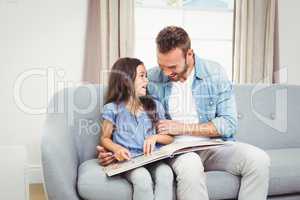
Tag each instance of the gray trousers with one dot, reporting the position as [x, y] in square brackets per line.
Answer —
[155, 181]
[247, 161]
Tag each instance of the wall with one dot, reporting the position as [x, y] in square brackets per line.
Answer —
[45, 35]
[289, 38]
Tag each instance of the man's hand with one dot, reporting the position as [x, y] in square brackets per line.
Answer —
[170, 127]
[122, 154]
[105, 158]
[149, 144]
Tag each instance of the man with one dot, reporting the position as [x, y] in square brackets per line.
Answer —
[200, 104]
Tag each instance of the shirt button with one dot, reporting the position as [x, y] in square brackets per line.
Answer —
[200, 116]
[211, 103]
[240, 116]
[273, 116]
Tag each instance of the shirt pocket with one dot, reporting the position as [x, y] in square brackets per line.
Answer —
[207, 107]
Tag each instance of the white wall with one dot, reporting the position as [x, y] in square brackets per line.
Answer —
[289, 38]
[36, 34]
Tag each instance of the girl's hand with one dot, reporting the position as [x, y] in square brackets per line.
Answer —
[122, 154]
[149, 144]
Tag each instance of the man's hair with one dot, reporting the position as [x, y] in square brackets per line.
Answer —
[172, 37]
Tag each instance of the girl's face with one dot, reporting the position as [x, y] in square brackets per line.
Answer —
[141, 81]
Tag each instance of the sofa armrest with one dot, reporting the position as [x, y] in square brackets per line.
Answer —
[59, 159]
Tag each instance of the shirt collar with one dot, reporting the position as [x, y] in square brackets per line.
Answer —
[199, 68]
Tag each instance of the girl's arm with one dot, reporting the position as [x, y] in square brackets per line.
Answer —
[149, 143]
[162, 139]
[121, 153]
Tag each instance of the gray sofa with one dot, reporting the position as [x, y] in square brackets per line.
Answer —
[268, 118]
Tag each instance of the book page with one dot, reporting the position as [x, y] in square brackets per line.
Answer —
[135, 162]
[164, 152]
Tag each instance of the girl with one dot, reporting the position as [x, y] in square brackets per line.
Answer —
[128, 128]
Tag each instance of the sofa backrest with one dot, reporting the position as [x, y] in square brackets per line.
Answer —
[268, 116]
[76, 111]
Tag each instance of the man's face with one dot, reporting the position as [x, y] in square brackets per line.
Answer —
[172, 63]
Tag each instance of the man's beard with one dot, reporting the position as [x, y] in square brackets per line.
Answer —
[181, 75]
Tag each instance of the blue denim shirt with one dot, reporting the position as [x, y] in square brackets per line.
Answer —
[212, 91]
[130, 131]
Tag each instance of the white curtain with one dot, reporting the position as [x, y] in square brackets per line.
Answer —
[109, 36]
[254, 41]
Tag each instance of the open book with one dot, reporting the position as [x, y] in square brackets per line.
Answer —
[164, 152]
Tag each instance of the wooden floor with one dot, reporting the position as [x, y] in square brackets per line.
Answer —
[36, 192]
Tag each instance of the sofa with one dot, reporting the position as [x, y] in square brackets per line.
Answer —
[268, 118]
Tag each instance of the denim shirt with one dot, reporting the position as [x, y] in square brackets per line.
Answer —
[130, 131]
[212, 91]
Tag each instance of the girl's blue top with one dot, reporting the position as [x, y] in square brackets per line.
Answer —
[130, 131]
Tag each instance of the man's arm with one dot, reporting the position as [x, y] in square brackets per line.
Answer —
[105, 158]
[226, 114]
[173, 127]
[205, 129]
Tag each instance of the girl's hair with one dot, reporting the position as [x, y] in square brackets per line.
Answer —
[121, 86]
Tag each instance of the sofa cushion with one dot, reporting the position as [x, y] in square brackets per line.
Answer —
[222, 185]
[284, 176]
[93, 184]
[284, 171]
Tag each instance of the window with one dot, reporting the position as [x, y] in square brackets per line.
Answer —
[209, 23]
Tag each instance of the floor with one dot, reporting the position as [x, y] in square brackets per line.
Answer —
[36, 192]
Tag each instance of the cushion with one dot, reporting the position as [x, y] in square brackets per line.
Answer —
[285, 197]
[93, 184]
[222, 185]
[284, 176]
[284, 171]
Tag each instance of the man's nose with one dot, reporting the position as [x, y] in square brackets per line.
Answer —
[167, 71]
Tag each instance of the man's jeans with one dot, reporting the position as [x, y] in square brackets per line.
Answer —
[247, 161]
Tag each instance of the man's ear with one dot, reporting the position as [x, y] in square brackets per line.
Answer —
[190, 52]
[190, 57]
